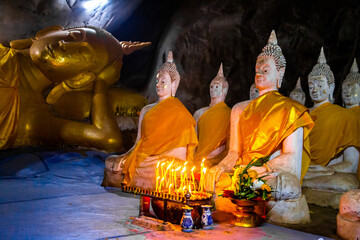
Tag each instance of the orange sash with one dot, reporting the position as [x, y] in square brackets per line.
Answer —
[267, 121]
[213, 129]
[165, 126]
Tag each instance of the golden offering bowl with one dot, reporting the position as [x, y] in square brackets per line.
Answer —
[244, 216]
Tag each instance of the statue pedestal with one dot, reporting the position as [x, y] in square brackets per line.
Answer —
[326, 191]
[348, 219]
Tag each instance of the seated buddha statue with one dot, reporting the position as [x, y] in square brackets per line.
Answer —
[334, 142]
[270, 125]
[37, 72]
[254, 92]
[351, 88]
[166, 132]
[213, 144]
[298, 94]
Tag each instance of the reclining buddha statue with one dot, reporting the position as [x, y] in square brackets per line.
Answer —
[298, 93]
[62, 71]
[166, 132]
[274, 126]
[334, 142]
[213, 123]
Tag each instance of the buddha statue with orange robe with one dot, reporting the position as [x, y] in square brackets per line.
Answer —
[213, 123]
[270, 125]
[166, 132]
[334, 142]
[298, 93]
[61, 72]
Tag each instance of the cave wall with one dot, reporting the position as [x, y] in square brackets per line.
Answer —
[204, 33]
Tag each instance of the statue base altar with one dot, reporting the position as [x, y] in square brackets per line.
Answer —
[326, 191]
[290, 211]
[348, 219]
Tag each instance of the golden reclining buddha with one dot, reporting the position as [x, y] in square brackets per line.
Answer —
[51, 82]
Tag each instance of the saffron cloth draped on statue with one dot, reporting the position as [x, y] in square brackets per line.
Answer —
[327, 143]
[267, 121]
[9, 96]
[213, 129]
[166, 126]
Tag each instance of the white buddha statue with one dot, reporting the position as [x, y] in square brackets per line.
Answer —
[166, 131]
[334, 142]
[298, 94]
[254, 92]
[213, 144]
[270, 125]
[351, 88]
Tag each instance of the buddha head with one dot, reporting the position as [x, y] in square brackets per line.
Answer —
[219, 86]
[76, 56]
[320, 79]
[298, 94]
[270, 66]
[167, 79]
[351, 87]
[254, 92]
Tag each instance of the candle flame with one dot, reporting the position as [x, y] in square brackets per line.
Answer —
[170, 165]
[177, 169]
[204, 170]
[158, 177]
[183, 170]
[162, 164]
[193, 169]
[203, 160]
[185, 163]
[158, 164]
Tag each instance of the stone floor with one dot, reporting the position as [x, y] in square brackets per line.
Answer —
[57, 195]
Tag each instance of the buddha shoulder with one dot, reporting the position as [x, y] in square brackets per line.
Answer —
[240, 107]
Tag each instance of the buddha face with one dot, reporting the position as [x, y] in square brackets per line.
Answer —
[297, 95]
[216, 89]
[266, 74]
[63, 54]
[319, 88]
[163, 84]
[350, 93]
[254, 92]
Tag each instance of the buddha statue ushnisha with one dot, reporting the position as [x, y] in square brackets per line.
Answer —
[166, 132]
[334, 140]
[54, 82]
[270, 125]
[298, 93]
[213, 144]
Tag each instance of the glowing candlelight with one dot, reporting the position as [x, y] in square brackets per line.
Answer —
[167, 169]
[189, 188]
[170, 188]
[177, 169]
[192, 176]
[161, 183]
[162, 169]
[157, 183]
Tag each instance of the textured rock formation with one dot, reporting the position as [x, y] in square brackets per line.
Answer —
[204, 33]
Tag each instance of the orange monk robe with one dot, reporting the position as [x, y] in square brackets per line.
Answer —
[334, 131]
[165, 126]
[9, 96]
[267, 121]
[213, 129]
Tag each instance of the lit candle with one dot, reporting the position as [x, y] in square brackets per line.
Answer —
[162, 169]
[167, 169]
[170, 188]
[161, 183]
[157, 183]
[192, 176]
[177, 169]
[157, 173]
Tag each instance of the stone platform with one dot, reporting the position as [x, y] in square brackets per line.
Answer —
[57, 195]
